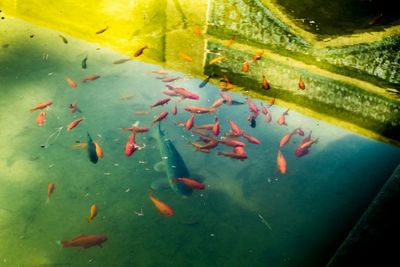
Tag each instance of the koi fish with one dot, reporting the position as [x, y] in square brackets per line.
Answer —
[246, 66]
[50, 189]
[131, 145]
[99, 151]
[235, 129]
[160, 117]
[286, 138]
[281, 162]
[83, 63]
[160, 102]
[251, 138]
[42, 105]
[189, 182]
[189, 123]
[258, 55]
[85, 241]
[102, 30]
[306, 145]
[71, 82]
[91, 149]
[186, 57]
[200, 110]
[216, 60]
[174, 110]
[162, 207]
[265, 84]
[41, 118]
[91, 77]
[140, 51]
[74, 124]
[216, 127]
[93, 213]
[282, 120]
[120, 61]
[226, 97]
[218, 102]
[65, 41]
[301, 84]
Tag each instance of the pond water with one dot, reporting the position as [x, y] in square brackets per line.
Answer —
[249, 214]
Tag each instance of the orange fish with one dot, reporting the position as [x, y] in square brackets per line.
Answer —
[99, 151]
[246, 66]
[258, 55]
[163, 208]
[265, 84]
[91, 77]
[281, 162]
[186, 57]
[271, 102]
[80, 146]
[190, 183]
[140, 51]
[41, 118]
[216, 60]
[50, 189]
[42, 105]
[301, 84]
[93, 213]
[229, 42]
[197, 30]
[85, 241]
[74, 124]
[71, 82]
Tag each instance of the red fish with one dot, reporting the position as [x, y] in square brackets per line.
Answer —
[281, 162]
[160, 117]
[189, 123]
[170, 93]
[235, 129]
[200, 132]
[131, 145]
[236, 154]
[85, 241]
[246, 66]
[300, 131]
[189, 182]
[74, 124]
[227, 98]
[170, 79]
[282, 120]
[302, 148]
[258, 55]
[200, 110]
[286, 138]
[73, 107]
[50, 189]
[251, 138]
[41, 118]
[174, 110]
[186, 94]
[301, 84]
[264, 109]
[268, 117]
[265, 84]
[211, 143]
[91, 77]
[218, 102]
[99, 151]
[162, 207]
[161, 102]
[232, 142]
[71, 82]
[136, 129]
[207, 126]
[252, 107]
[42, 105]
[216, 127]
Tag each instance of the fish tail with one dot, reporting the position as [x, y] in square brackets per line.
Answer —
[64, 243]
[174, 180]
[89, 220]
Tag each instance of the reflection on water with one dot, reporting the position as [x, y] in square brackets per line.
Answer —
[309, 209]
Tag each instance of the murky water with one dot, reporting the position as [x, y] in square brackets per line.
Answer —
[307, 211]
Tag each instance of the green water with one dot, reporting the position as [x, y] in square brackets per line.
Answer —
[310, 209]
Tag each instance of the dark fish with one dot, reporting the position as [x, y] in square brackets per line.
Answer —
[102, 30]
[376, 20]
[91, 149]
[234, 102]
[83, 64]
[63, 39]
[204, 82]
[140, 51]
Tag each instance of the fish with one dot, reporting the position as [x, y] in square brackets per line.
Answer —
[91, 77]
[307, 144]
[235, 129]
[102, 30]
[172, 161]
[197, 30]
[140, 51]
[73, 107]
[229, 42]
[234, 154]
[85, 241]
[232, 142]
[136, 129]
[300, 131]
[268, 117]
[286, 138]
[189, 182]
[161, 102]
[65, 41]
[141, 112]
[162, 207]
[301, 84]
[281, 163]
[251, 138]
[174, 110]
[200, 110]
[208, 126]
[80, 146]
[375, 20]
[91, 149]
[189, 123]
[170, 79]
[184, 93]
[71, 82]
[131, 145]
[216, 127]
[264, 109]
[200, 132]
[271, 102]
[50, 190]
[226, 97]
[252, 107]
[265, 84]
[83, 63]
[160, 117]
[93, 213]
[42, 105]
[126, 97]
[258, 55]
[246, 66]
[74, 124]
[120, 61]
[186, 57]
[216, 60]
[281, 119]
[205, 82]
[99, 151]
[218, 102]
[210, 143]
[41, 118]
